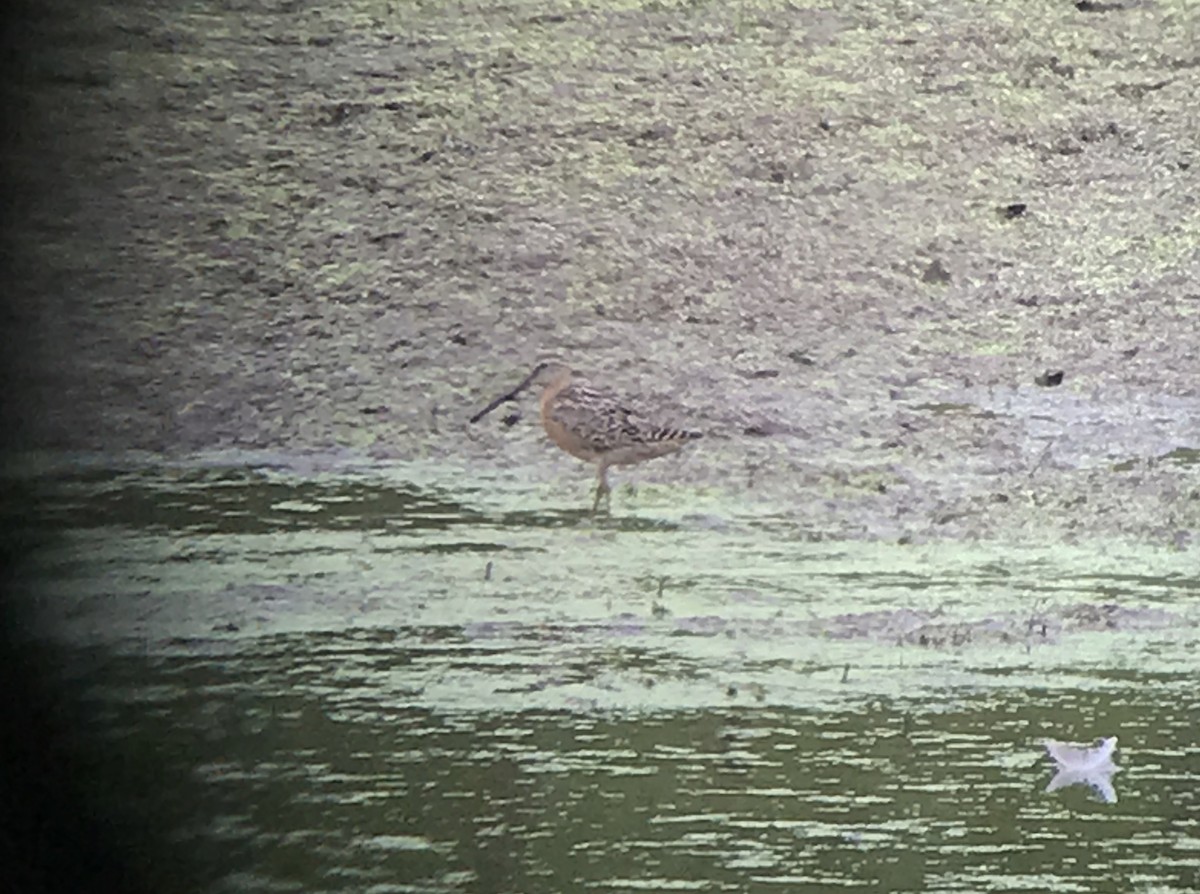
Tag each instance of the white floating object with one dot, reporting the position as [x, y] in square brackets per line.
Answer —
[1083, 765]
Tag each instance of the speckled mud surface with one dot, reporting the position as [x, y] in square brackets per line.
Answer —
[841, 238]
[266, 258]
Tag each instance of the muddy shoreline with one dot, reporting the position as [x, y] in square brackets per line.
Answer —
[842, 243]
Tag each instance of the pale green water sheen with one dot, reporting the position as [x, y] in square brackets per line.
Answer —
[385, 679]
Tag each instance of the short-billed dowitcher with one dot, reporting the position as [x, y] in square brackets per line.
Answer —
[593, 424]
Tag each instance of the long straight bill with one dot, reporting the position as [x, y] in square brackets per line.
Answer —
[509, 395]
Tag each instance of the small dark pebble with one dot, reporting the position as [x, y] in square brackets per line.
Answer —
[936, 272]
[511, 419]
[801, 358]
[1016, 209]
[1049, 378]
[650, 134]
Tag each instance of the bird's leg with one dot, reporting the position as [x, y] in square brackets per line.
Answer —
[603, 491]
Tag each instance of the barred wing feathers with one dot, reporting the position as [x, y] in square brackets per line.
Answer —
[598, 417]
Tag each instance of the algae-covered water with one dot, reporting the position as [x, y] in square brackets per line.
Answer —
[924, 275]
[363, 677]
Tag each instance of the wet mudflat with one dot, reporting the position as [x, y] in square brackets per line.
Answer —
[354, 681]
[270, 257]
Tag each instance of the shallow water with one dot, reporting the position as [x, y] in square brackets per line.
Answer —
[378, 678]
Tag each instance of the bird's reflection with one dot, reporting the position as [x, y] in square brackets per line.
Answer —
[1081, 765]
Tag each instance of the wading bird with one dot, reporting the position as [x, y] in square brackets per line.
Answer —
[593, 424]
